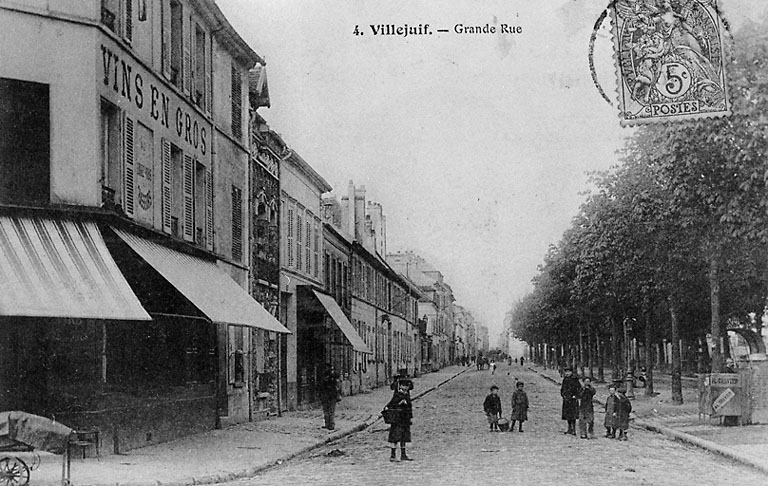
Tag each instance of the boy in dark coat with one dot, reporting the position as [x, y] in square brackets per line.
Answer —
[586, 410]
[519, 408]
[623, 408]
[400, 429]
[492, 408]
[611, 413]
[570, 390]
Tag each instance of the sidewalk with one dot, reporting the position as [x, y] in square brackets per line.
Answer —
[234, 452]
[746, 444]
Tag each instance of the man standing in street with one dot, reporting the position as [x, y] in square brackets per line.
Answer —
[570, 391]
[329, 395]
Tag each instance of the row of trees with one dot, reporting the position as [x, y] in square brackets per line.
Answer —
[675, 237]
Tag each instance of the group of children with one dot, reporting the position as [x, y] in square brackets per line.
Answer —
[617, 410]
[492, 408]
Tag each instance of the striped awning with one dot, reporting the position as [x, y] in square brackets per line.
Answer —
[346, 327]
[206, 286]
[61, 268]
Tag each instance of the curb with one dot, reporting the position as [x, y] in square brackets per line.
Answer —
[229, 477]
[701, 443]
[686, 438]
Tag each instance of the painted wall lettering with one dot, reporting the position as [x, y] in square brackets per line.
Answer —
[128, 83]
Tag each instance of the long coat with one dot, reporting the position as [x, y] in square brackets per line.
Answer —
[586, 410]
[570, 391]
[611, 414]
[329, 387]
[519, 406]
[623, 407]
[492, 405]
[400, 430]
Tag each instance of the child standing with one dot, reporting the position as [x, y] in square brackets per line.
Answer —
[623, 408]
[519, 407]
[492, 408]
[611, 413]
[586, 410]
[400, 429]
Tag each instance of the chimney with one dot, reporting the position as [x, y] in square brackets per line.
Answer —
[359, 213]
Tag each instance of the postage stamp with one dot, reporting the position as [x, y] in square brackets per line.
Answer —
[669, 60]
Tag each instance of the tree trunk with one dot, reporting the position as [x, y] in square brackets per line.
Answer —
[648, 350]
[615, 351]
[677, 389]
[714, 300]
[600, 358]
[590, 353]
[581, 351]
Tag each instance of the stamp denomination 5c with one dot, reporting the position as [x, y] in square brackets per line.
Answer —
[670, 60]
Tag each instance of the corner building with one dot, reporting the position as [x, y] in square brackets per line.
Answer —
[124, 218]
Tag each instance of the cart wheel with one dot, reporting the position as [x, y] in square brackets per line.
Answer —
[13, 472]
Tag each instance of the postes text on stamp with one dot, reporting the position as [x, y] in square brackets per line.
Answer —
[670, 60]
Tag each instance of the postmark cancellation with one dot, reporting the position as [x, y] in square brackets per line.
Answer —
[670, 60]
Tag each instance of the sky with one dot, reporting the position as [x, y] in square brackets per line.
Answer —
[477, 146]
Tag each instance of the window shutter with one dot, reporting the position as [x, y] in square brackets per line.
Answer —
[307, 246]
[290, 238]
[128, 183]
[165, 19]
[192, 47]
[299, 239]
[317, 251]
[208, 71]
[166, 190]
[237, 223]
[209, 209]
[189, 199]
[128, 33]
[187, 68]
[237, 104]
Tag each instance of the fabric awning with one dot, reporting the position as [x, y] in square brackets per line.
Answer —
[341, 320]
[207, 286]
[61, 268]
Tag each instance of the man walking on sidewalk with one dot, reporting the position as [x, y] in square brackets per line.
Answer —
[329, 395]
[570, 391]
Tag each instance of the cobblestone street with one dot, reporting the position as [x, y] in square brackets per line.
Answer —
[452, 445]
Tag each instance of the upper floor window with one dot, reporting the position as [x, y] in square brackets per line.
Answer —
[109, 14]
[118, 16]
[110, 152]
[199, 95]
[25, 154]
[177, 44]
